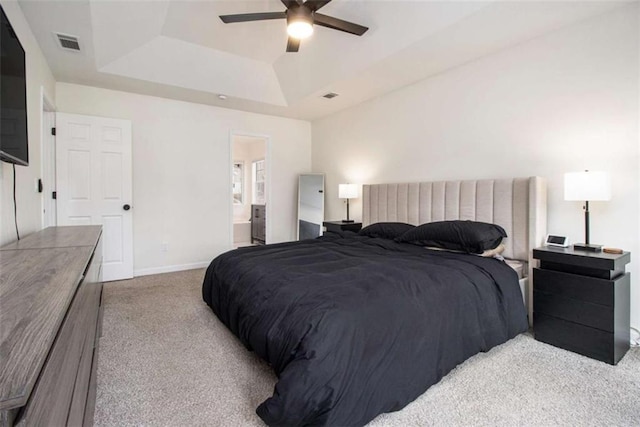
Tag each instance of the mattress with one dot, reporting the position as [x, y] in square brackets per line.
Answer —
[520, 267]
[355, 326]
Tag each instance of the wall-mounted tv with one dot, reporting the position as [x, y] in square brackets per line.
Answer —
[14, 143]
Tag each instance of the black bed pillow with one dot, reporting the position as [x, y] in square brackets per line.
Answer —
[467, 236]
[386, 230]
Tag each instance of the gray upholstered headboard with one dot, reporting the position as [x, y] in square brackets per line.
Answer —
[519, 205]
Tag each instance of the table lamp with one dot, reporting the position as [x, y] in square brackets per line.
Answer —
[347, 191]
[587, 186]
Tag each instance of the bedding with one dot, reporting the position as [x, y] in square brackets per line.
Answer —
[468, 236]
[386, 230]
[489, 253]
[355, 326]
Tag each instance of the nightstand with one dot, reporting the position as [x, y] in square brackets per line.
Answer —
[581, 302]
[342, 226]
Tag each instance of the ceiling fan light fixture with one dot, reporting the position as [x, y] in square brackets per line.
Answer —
[299, 22]
[301, 16]
[299, 29]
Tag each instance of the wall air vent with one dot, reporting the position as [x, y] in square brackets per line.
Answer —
[330, 95]
[68, 42]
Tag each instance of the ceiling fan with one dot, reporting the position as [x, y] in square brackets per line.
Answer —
[300, 15]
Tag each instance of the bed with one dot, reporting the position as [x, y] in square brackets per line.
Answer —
[355, 325]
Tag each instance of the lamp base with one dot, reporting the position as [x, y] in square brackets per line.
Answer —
[587, 247]
[348, 220]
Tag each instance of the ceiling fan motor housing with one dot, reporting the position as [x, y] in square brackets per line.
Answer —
[299, 14]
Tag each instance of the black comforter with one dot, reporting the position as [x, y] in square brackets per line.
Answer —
[356, 326]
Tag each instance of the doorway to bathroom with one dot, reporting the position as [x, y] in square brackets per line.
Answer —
[249, 189]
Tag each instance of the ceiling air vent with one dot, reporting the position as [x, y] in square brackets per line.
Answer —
[330, 95]
[68, 42]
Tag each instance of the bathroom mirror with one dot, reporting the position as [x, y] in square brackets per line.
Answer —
[238, 182]
[310, 205]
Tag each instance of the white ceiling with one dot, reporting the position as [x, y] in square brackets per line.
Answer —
[180, 49]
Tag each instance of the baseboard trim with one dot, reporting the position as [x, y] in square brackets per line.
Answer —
[170, 268]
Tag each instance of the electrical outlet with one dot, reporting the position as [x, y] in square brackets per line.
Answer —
[165, 247]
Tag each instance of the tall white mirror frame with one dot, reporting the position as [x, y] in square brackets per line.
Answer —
[310, 205]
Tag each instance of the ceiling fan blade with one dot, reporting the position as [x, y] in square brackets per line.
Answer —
[316, 4]
[246, 17]
[338, 24]
[289, 3]
[293, 45]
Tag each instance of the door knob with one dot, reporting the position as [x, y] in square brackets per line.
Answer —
[126, 207]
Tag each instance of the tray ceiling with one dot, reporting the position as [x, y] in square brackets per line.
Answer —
[180, 49]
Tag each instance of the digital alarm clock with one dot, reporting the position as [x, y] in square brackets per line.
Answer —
[560, 241]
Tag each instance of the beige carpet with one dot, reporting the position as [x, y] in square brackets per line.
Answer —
[166, 360]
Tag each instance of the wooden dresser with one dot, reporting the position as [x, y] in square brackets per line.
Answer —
[50, 292]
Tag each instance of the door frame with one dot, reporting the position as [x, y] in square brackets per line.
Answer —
[267, 159]
[48, 163]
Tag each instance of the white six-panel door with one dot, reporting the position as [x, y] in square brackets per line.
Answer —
[94, 184]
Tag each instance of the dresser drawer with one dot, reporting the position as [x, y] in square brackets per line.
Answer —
[583, 288]
[52, 396]
[585, 313]
[76, 415]
[571, 336]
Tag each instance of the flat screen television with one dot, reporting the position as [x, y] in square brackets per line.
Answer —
[14, 143]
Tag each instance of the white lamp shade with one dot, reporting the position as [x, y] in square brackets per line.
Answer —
[348, 191]
[587, 186]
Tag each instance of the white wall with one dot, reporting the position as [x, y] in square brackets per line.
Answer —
[182, 172]
[567, 101]
[28, 199]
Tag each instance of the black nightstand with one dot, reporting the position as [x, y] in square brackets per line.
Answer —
[581, 302]
[342, 226]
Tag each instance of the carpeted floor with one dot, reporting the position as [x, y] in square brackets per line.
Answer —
[165, 359]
